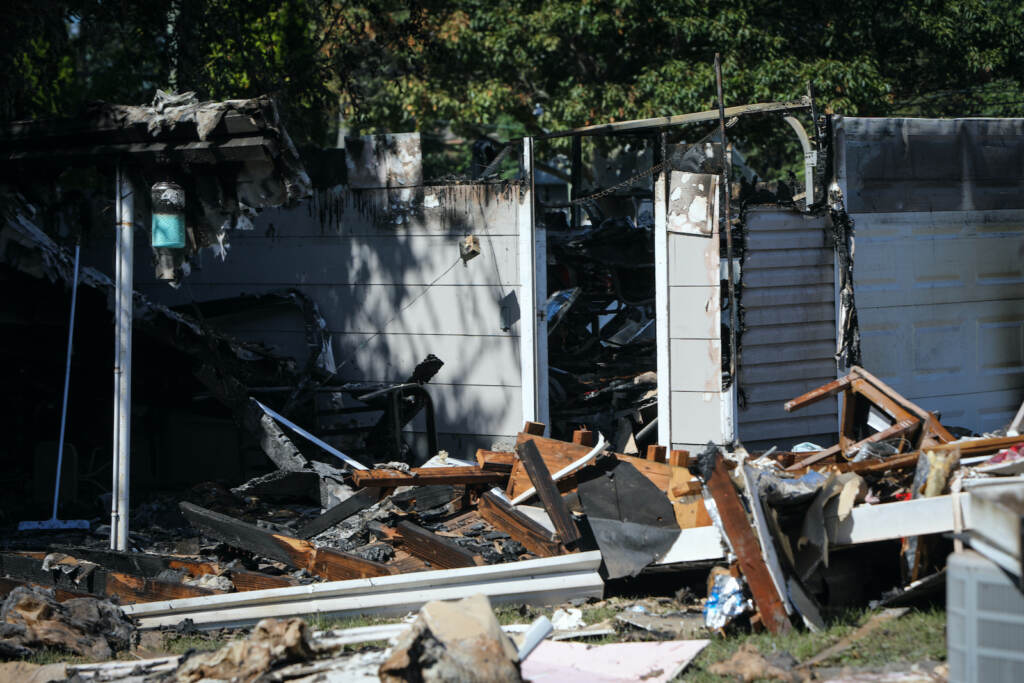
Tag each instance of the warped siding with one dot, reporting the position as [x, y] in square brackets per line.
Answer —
[366, 261]
[938, 207]
[787, 347]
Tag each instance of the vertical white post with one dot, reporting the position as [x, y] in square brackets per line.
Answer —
[530, 314]
[661, 307]
[123, 268]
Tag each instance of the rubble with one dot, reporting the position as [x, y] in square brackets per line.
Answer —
[32, 618]
[453, 641]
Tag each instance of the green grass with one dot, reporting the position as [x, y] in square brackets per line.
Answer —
[915, 637]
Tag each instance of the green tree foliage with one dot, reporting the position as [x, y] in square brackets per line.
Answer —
[514, 66]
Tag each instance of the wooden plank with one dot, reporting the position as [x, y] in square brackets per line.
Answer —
[687, 501]
[437, 550]
[496, 461]
[147, 565]
[246, 580]
[296, 552]
[8, 584]
[548, 493]
[557, 454]
[133, 589]
[820, 394]
[521, 528]
[741, 536]
[339, 513]
[427, 476]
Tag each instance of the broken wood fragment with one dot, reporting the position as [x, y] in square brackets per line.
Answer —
[339, 513]
[437, 550]
[294, 552]
[583, 437]
[657, 453]
[679, 458]
[495, 461]
[548, 493]
[518, 526]
[534, 428]
[741, 536]
[427, 476]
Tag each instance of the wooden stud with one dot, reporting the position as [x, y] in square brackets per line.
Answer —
[897, 429]
[741, 536]
[520, 527]
[657, 453]
[495, 461]
[583, 437]
[679, 458]
[548, 493]
[535, 428]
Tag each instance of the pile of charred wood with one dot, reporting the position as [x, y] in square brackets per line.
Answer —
[773, 526]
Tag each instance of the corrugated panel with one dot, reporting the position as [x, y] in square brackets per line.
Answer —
[940, 293]
[789, 339]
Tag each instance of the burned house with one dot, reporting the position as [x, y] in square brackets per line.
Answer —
[480, 385]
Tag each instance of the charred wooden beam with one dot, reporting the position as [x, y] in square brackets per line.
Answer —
[427, 476]
[741, 536]
[339, 513]
[548, 493]
[520, 527]
[437, 550]
[295, 552]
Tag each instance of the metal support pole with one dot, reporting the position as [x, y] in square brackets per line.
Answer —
[726, 168]
[124, 251]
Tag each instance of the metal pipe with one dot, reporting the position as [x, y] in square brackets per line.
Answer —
[125, 214]
[726, 167]
[67, 382]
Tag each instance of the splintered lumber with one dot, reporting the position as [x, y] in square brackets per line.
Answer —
[900, 428]
[339, 513]
[437, 550]
[97, 582]
[496, 461]
[558, 454]
[657, 453]
[521, 528]
[245, 580]
[548, 493]
[296, 552]
[741, 536]
[427, 476]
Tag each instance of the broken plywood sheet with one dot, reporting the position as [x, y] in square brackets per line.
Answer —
[657, 662]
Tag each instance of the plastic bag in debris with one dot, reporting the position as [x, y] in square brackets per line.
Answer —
[724, 602]
[806, 447]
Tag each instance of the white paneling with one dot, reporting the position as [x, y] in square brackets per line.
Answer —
[696, 364]
[366, 260]
[694, 325]
[789, 339]
[697, 416]
[697, 311]
[441, 309]
[940, 292]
